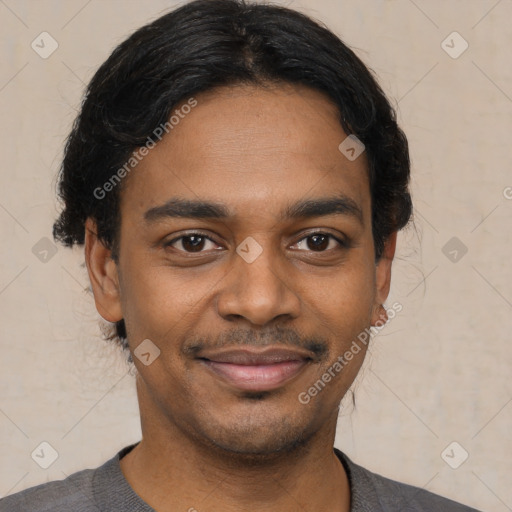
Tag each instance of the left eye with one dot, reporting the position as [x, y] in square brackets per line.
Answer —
[319, 242]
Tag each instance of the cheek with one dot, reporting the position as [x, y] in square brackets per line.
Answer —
[157, 298]
[347, 295]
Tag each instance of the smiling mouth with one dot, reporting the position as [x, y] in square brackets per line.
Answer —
[256, 370]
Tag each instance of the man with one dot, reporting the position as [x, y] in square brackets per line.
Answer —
[238, 179]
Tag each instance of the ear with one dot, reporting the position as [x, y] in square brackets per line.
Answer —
[103, 275]
[383, 280]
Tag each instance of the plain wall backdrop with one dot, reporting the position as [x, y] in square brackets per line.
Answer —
[438, 373]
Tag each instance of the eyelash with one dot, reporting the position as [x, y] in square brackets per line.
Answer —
[342, 243]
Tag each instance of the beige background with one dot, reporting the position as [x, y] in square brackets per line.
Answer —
[438, 373]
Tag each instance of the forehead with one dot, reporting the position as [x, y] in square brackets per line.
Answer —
[250, 147]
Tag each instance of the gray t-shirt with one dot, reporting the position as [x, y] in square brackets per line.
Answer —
[105, 489]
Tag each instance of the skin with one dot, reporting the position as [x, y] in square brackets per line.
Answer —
[206, 444]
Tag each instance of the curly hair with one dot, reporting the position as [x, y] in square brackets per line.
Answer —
[206, 44]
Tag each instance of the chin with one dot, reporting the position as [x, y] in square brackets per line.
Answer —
[252, 441]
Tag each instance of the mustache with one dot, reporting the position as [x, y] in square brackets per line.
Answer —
[317, 345]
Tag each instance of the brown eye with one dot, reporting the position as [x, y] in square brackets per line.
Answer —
[193, 243]
[320, 242]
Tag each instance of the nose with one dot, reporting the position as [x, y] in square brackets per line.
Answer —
[258, 290]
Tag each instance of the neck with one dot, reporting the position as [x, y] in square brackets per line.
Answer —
[173, 472]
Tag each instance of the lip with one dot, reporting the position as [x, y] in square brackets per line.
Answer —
[251, 369]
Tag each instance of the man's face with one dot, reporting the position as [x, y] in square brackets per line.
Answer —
[250, 308]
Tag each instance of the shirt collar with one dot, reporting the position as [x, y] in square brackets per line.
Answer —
[109, 476]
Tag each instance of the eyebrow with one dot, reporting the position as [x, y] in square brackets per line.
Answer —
[309, 208]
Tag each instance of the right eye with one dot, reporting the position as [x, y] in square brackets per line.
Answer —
[190, 243]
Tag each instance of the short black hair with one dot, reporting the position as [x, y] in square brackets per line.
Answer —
[206, 44]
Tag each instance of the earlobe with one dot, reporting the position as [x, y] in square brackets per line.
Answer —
[383, 279]
[103, 275]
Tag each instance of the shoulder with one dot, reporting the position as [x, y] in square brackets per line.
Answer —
[371, 491]
[73, 493]
[398, 496]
